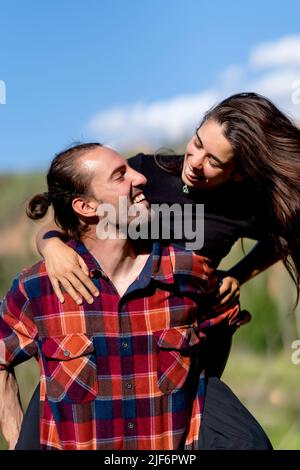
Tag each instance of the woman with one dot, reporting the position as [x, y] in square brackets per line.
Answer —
[243, 164]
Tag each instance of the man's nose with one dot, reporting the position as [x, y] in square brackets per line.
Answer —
[138, 179]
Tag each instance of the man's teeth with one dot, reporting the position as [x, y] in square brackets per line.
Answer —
[138, 198]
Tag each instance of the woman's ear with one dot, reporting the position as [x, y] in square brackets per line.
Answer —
[85, 207]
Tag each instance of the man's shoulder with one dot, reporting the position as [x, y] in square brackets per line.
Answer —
[36, 269]
[188, 262]
[29, 278]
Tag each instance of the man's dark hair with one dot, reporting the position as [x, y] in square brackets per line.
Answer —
[66, 180]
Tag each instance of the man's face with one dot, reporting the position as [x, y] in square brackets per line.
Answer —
[112, 178]
[209, 160]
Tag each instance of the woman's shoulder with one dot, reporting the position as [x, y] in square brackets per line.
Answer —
[167, 162]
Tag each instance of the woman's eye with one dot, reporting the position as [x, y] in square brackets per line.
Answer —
[214, 163]
[198, 144]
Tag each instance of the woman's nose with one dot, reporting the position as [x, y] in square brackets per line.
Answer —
[196, 162]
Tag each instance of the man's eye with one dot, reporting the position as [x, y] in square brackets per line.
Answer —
[120, 177]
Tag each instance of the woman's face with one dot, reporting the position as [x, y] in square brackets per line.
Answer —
[209, 160]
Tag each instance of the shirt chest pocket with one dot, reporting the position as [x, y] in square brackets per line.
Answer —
[70, 368]
[176, 348]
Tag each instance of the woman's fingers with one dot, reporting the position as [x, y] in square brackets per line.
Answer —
[229, 284]
[68, 287]
[228, 292]
[86, 281]
[76, 283]
[83, 265]
[79, 287]
[57, 289]
[229, 297]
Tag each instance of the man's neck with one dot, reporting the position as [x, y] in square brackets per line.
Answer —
[116, 257]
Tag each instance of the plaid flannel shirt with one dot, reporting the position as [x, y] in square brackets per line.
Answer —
[125, 372]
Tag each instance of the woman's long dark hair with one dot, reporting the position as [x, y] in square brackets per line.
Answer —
[266, 146]
[66, 181]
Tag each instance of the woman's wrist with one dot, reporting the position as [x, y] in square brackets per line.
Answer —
[50, 244]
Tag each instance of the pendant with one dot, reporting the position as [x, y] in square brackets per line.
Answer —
[185, 189]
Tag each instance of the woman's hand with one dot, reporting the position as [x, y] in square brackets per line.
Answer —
[229, 289]
[229, 292]
[67, 269]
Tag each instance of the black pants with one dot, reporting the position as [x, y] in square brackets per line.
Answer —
[216, 350]
[226, 423]
[29, 438]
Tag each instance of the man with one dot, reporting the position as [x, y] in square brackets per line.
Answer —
[126, 372]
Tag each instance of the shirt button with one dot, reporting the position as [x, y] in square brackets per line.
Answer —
[130, 425]
[129, 386]
[66, 353]
[124, 344]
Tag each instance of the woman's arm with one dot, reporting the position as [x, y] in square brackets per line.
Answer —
[65, 267]
[47, 232]
[261, 257]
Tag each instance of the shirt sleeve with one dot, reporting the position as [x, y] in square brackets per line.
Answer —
[18, 332]
[212, 314]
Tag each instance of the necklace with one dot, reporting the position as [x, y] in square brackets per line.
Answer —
[185, 189]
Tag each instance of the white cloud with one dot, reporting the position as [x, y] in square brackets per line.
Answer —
[283, 52]
[172, 120]
[277, 84]
[161, 121]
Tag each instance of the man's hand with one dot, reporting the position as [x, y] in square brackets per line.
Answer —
[11, 414]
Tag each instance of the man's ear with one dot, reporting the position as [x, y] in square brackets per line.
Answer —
[85, 207]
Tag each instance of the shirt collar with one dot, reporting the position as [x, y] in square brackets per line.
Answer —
[165, 265]
[158, 267]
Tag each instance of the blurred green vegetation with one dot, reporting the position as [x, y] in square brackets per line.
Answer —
[259, 370]
[17, 231]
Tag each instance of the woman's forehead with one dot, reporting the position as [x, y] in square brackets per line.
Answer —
[214, 142]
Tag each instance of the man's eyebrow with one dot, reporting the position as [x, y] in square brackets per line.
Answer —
[118, 169]
[222, 164]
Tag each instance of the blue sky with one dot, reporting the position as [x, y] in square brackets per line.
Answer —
[127, 72]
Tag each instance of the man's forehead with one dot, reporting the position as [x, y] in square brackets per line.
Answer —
[101, 158]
